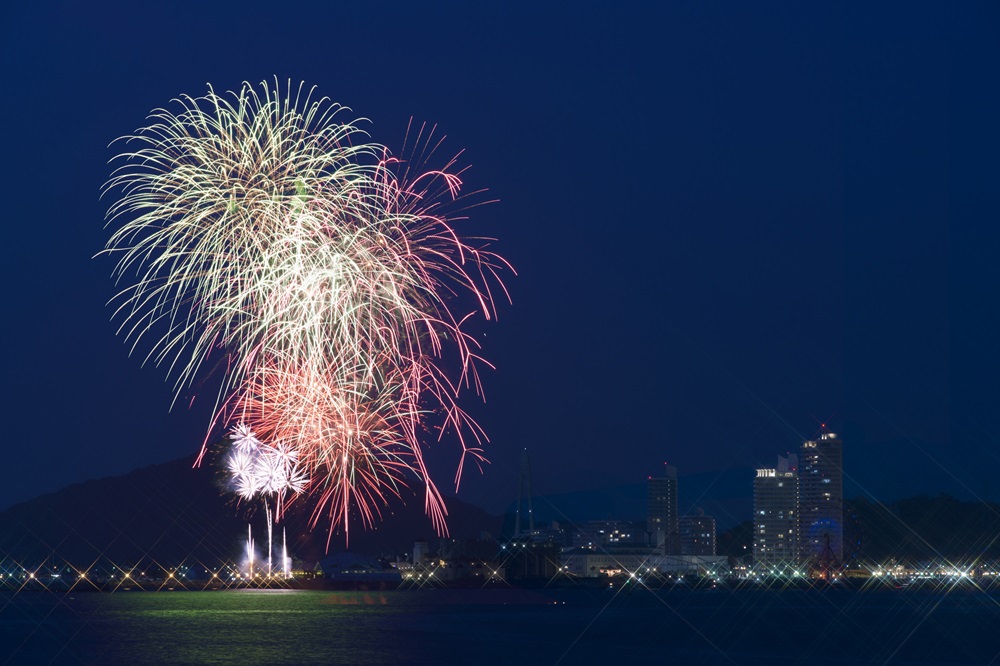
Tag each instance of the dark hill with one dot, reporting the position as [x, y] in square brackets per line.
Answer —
[173, 513]
[922, 528]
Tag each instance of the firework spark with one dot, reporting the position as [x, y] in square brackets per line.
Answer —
[267, 237]
[259, 469]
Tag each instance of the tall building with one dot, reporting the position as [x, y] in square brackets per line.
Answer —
[821, 499]
[524, 491]
[661, 521]
[776, 515]
[697, 534]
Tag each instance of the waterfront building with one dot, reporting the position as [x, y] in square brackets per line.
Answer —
[640, 562]
[615, 561]
[600, 533]
[527, 560]
[553, 533]
[776, 516]
[821, 499]
[697, 534]
[420, 551]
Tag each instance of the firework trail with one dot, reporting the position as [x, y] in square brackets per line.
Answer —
[260, 234]
[262, 470]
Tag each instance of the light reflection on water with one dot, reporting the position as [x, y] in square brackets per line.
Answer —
[499, 627]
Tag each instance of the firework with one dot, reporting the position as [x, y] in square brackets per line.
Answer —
[205, 194]
[259, 469]
[269, 239]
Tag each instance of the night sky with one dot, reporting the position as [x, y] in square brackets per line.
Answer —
[730, 224]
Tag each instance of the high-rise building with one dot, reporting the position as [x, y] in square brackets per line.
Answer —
[821, 499]
[697, 534]
[661, 521]
[776, 519]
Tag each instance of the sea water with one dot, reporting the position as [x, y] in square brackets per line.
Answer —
[433, 626]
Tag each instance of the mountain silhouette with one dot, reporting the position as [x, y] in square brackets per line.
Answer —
[174, 513]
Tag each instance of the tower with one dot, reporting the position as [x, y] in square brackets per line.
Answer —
[524, 492]
[661, 521]
[821, 497]
[776, 515]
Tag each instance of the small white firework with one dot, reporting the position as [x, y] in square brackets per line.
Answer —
[256, 468]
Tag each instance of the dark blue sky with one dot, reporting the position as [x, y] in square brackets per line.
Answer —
[729, 223]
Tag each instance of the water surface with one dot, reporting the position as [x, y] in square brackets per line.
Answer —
[249, 627]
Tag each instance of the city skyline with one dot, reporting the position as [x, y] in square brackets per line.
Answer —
[149, 524]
